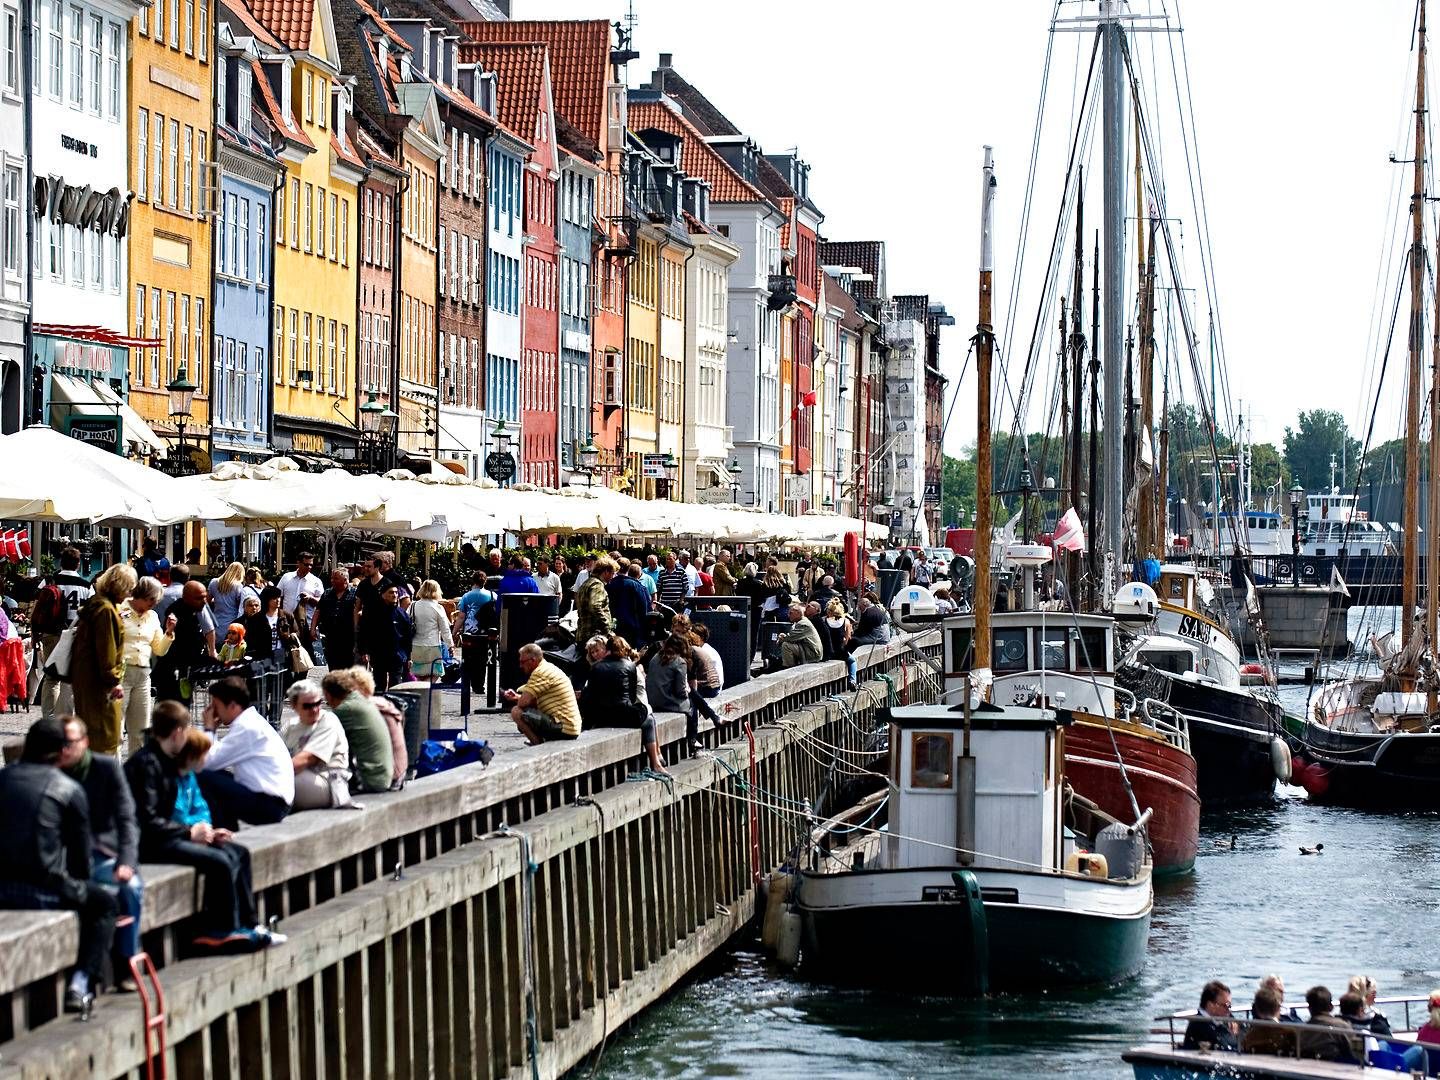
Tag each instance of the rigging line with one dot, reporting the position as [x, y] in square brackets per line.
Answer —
[1030, 178]
[1088, 109]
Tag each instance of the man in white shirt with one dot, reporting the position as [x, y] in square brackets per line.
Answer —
[692, 573]
[546, 580]
[249, 775]
[712, 668]
[300, 591]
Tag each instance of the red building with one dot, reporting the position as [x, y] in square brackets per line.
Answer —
[525, 104]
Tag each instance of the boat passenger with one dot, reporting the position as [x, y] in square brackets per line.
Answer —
[1211, 1029]
[1370, 1017]
[1429, 1034]
[1263, 1038]
[1337, 1045]
[1276, 983]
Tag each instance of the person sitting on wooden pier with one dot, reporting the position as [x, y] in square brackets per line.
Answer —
[544, 709]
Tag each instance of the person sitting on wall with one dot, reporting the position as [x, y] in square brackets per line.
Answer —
[248, 776]
[801, 643]
[544, 709]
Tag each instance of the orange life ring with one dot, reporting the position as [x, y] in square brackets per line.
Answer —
[853, 555]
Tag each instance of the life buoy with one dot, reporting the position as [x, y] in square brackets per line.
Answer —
[853, 554]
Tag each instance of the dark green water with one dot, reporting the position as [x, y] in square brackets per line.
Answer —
[1369, 904]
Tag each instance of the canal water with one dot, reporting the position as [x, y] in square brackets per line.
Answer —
[1369, 904]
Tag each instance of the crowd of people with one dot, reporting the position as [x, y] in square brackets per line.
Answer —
[1350, 1031]
[116, 771]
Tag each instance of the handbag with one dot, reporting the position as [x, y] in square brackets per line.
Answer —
[339, 781]
[300, 662]
[57, 664]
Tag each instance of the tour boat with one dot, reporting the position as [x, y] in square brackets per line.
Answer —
[992, 874]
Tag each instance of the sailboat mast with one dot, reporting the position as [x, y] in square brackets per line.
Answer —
[1096, 545]
[1113, 109]
[1432, 517]
[1412, 385]
[1077, 381]
[984, 346]
[1145, 381]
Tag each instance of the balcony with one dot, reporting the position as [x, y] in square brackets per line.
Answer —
[624, 239]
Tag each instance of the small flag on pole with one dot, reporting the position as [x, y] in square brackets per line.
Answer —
[1070, 534]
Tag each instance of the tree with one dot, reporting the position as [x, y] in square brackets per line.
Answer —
[1267, 470]
[1319, 435]
[1386, 463]
[958, 478]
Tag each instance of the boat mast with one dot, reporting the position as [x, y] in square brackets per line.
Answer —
[1412, 385]
[1113, 101]
[1096, 544]
[1077, 383]
[984, 346]
[1145, 532]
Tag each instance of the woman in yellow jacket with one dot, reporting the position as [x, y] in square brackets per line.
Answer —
[97, 662]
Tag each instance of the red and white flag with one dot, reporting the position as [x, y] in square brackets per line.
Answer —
[1070, 534]
[22, 539]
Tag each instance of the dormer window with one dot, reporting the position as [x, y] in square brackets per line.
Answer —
[405, 67]
[242, 103]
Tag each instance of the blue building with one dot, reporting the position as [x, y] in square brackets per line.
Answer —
[579, 171]
[240, 402]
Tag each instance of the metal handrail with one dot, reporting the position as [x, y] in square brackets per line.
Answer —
[1172, 723]
[1298, 1030]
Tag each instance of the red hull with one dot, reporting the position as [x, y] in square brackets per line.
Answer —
[1162, 775]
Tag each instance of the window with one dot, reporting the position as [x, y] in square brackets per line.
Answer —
[321, 93]
[344, 232]
[331, 358]
[309, 215]
[344, 359]
[261, 277]
[305, 351]
[14, 234]
[309, 98]
[157, 191]
[444, 281]
[198, 372]
[142, 156]
[189, 27]
[931, 759]
[279, 214]
[204, 54]
[184, 333]
[295, 213]
[169, 335]
[142, 22]
[57, 49]
[96, 43]
[244, 249]
[294, 333]
[112, 64]
[334, 226]
[320, 209]
[174, 24]
[139, 375]
[172, 177]
[227, 231]
[76, 57]
[94, 241]
[155, 334]
[188, 193]
[277, 353]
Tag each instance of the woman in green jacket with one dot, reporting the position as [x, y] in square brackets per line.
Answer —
[97, 661]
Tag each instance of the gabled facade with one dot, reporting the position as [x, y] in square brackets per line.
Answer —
[579, 173]
[505, 286]
[172, 109]
[249, 173]
[709, 442]
[525, 104]
[315, 229]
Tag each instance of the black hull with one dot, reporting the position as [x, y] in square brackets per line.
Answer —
[1230, 735]
[1370, 772]
[1029, 949]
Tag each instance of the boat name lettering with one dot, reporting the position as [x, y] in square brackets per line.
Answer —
[1192, 627]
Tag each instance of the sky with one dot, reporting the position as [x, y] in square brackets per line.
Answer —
[1297, 108]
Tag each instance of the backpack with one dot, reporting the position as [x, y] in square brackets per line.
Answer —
[49, 615]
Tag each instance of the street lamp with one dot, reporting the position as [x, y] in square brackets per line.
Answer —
[589, 455]
[671, 466]
[182, 402]
[734, 469]
[501, 437]
[377, 426]
[371, 413]
[1297, 497]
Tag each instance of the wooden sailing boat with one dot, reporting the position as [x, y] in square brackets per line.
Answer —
[1374, 741]
[991, 865]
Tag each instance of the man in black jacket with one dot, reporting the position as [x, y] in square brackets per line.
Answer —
[114, 836]
[45, 853]
[154, 779]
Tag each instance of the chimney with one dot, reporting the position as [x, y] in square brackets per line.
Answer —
[665, 59]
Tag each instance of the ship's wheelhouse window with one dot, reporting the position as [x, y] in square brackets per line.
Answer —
[1177, 662]
[960, 648]
[1050, 649]
[1009, 652]
[1091, 648]
[1173, 586]
[931, 760]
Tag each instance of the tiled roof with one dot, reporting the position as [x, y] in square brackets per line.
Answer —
[573, 140]
[519, 68]
[250, 25]
[868, 255]
[706, 117]
[697, 157]
[836, 296]
[291, 130]
[579, 63]
[289, 20]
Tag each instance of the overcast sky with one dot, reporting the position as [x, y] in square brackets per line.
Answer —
[1296, 106]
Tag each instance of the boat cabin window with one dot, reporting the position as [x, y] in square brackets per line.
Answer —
[1009, 652]
[1172, 587]
[931, 760]
[1091, 648]
[961, 640]
[1175, 661]
[1050, 648]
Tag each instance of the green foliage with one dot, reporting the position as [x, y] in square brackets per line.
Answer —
[1268, 469]
[1386, 463]
[1317, 436]
[958, 479]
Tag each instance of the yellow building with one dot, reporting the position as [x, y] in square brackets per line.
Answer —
[641, 357]
[315, 230]
[172, 101]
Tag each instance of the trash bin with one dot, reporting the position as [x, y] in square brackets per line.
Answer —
[730, 637]
[419, 703]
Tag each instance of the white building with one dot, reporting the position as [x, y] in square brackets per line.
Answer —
[14, 219]
[80, 199]
[708, 443]
[505, 301]
[905, 426]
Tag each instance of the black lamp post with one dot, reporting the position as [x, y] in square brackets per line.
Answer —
[734, 469]
[1297, 498]
[662, 489]
[377, 425]
[182, 403]
[589, 455]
